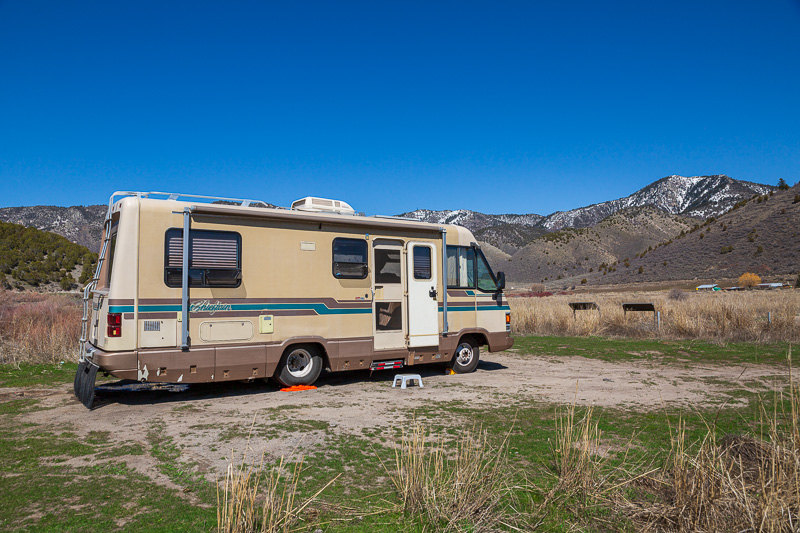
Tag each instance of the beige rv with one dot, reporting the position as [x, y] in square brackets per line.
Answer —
[192, 289]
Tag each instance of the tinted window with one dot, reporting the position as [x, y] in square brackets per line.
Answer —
[422, 262]
[214, 258]
[350, 258]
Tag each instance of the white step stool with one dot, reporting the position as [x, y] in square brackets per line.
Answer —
[405, 378]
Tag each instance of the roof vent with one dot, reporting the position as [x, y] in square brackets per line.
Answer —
[322, 205]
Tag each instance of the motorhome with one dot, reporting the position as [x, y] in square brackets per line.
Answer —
[193, 289]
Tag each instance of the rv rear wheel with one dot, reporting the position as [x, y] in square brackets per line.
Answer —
[465, 359]
[300, 365]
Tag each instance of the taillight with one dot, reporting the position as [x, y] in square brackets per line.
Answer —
[508, 321]
[114, 325]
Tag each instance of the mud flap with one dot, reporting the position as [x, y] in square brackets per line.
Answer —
[78, 374]
[84, 382]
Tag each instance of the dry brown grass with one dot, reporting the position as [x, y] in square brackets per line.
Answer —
[455, 487]
[256, 498]
[38, 328]
[737, 483]
[718, 316]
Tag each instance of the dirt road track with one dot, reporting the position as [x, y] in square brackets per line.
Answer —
[205, 421]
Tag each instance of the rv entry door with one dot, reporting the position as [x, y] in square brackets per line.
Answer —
[423, 306]
[387, 283]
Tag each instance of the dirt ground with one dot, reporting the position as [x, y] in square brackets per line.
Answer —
[207, 421]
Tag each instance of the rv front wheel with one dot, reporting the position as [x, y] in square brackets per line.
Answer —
[466, 357]
[300, 365]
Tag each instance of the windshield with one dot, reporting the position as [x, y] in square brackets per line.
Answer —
[486, 279]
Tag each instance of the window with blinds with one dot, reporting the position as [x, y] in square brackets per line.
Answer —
[214, 258]
[422, 262]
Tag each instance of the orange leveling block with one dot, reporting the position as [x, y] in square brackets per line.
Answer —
[295, 388]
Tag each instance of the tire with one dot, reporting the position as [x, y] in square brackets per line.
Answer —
[465, 359]
[301, 364]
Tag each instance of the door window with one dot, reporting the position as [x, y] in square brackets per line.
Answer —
[422, 262]
[387, 266]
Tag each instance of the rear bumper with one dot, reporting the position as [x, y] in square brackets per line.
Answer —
[123, 365]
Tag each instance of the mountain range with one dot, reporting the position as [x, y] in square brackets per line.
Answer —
[580, 243]
[697, 197]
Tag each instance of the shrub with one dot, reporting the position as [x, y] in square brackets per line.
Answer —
[66, 282]
[749, 280]
[583, 281]
[677, 295]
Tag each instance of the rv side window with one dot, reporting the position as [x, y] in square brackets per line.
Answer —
[460, 267]
[112, 246]
[215, 258]
[349, 258]
[422, 262]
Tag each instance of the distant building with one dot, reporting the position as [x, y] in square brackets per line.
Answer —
[770, 286]
[713, 287]
[734, 288]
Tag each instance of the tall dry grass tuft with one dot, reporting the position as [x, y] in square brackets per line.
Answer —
[38, 328]
[756, 316]
[576, 453]
[259, 499]
[454, 487]
[737, 483]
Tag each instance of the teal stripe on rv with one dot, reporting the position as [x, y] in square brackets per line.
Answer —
[472, 308]
[320, 309]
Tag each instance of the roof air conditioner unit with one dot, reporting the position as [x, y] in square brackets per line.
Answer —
[322, 205]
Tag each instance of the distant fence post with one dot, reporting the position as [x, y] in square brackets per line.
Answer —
[769, 318]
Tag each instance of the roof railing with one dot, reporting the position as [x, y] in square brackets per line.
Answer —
[155, 195]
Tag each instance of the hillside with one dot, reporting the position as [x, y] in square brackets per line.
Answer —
[759, 235]
[33, 258]
[573, 252]
[80, 224]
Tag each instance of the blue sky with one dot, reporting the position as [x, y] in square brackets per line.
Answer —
[523, 107]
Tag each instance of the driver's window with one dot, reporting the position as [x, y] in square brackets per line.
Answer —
[485, 279]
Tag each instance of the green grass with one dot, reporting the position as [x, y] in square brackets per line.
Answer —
[52, 478]
[27, 375]
[661, 351]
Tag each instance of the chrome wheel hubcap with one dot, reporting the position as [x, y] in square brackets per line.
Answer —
[299, 363]
[464, 355]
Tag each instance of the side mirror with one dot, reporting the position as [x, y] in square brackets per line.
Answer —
[501, 281]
